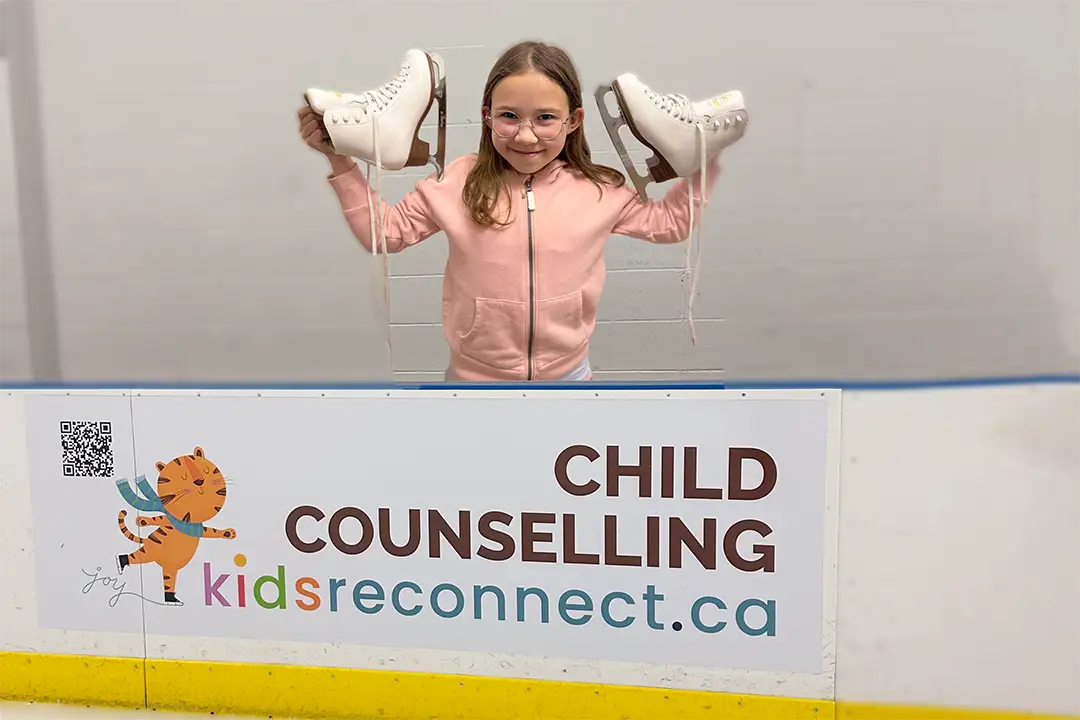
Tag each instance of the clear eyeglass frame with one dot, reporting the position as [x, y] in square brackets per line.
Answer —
[547, 133]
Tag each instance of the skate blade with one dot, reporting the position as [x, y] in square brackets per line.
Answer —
[612, 124]
[420, 155]
[660, 170]
[439, 158]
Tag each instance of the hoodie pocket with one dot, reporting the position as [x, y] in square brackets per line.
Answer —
[560, 328]
[498, 334]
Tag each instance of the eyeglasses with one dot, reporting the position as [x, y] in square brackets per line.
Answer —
[544, 126]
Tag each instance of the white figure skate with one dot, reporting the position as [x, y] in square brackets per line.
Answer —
[683, 137]
[382, 126]
[669, 125]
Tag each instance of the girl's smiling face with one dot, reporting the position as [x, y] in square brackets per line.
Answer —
[540, 106]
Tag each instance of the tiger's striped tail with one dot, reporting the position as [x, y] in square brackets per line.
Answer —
[121, 518]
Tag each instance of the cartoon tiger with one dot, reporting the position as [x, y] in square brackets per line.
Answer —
[190, 491]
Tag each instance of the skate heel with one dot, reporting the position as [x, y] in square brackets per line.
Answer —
[419, 154]
[660, 170]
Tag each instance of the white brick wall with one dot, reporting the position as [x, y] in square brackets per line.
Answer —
[903, 205]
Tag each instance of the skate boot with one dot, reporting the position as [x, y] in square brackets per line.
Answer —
[669, 125]
[683, 137]
[382, 126]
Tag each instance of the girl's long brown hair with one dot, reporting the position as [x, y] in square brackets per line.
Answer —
[485, 180]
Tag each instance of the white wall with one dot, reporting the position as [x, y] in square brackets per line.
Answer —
[904, 205]
[959, 563]
[14, 335]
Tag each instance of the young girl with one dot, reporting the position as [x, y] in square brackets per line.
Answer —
[527, 217]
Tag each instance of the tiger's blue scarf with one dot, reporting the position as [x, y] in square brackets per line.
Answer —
[150, 502]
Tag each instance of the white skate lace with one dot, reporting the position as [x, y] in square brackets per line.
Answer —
[379, 98]
[678, 106]
[370, 103]
[693, 266]
[377, 239]
[681, 108]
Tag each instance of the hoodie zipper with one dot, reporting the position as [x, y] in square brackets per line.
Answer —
[530, 204]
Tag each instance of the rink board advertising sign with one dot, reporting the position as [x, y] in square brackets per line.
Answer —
[691, 529]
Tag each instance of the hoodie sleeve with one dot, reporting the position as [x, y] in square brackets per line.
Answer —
[405, 223]
[667, 220]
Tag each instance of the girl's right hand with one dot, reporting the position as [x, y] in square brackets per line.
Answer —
[313, 131]
[314, 134]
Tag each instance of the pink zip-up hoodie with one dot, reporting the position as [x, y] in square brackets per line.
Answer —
[519, 302]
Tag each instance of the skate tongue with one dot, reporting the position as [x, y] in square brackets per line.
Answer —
[728, 102]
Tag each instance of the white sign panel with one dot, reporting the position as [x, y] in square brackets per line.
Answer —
[687, 530]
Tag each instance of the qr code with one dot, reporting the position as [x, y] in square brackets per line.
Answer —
[87, 448]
